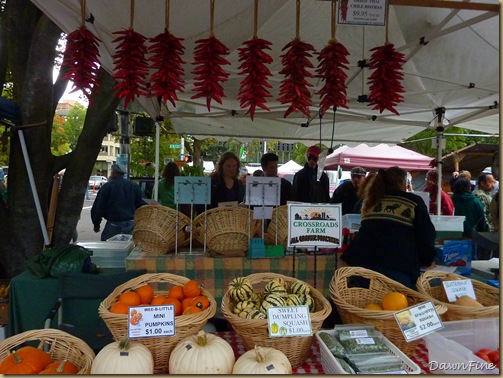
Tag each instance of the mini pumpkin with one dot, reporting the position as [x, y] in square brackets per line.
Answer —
[26, 360]
[123, 357]
[60, 367]
[203, 353]
[262, 360]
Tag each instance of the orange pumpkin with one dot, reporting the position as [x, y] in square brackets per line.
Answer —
[200, 301]
[191, 289]
[119, 308]
[131, 298]
[146, 293]
[158, 300]
[191, 310]
[26, 360]
[60, 367]
[176, 292]
[176, 303]
[186, 303]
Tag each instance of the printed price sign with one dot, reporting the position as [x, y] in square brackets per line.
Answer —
[458, 288]
[151, 321]
[289, 321]
[419, 320]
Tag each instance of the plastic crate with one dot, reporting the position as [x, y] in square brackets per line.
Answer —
[351, 222]
[451, 349]
[332, 366]
[109, 254]
[447, 223]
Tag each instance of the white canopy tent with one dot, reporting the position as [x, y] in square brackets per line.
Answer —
[452, 63]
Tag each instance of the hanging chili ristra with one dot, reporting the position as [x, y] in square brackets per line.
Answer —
[332, 63]
[209, 59]
[167, 51]
[385, 82]
[253, 58]
[294, 87]
[131, 67]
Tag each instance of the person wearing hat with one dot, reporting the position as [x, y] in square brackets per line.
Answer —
[347, 193]
[306, 187]
[117, 202]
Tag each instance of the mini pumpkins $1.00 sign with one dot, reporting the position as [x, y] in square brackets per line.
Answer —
[262, 360]
[123, 357]
[203, 353]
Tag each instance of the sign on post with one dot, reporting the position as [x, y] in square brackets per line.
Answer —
[362, 12]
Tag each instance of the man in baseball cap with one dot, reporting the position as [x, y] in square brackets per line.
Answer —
[347, 193]
[306, 187]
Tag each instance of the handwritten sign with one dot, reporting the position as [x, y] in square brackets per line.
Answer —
[458, 288]
[419, 320]
[314, 225]
[289, 321]
[151, 321]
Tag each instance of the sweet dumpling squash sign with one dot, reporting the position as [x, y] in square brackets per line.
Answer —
[314, 225]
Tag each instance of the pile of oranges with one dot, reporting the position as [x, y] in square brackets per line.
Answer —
[187, 299]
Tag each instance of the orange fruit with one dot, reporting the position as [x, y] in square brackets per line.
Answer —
[158, 300]
[191, 310]
[394, 301]
[175, 302]
[200, 301]
[176, 292]
[131, 298]
[191, 289]
[119, 308]
[146, 293]
[374, 307]
[186, 303]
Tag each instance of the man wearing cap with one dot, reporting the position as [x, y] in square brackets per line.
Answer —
[306, 187]
[117, 202]
[346, 193]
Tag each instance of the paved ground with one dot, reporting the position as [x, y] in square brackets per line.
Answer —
[85, 226]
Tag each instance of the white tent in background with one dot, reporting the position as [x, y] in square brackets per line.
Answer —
[290, 167]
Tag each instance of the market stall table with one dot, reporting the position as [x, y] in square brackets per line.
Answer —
[215, 273]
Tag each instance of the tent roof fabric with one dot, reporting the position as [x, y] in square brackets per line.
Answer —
[474, 158]
[440, 72]
[289, 167]
[380, 156]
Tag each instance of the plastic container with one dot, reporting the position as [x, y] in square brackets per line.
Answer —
[351, 222]
[448, 223]
[451, 350]
[109, 254]
[332, 366]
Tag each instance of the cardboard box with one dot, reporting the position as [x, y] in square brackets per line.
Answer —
[456, 253]
[451, 349]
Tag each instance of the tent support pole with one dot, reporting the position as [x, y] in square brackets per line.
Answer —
[440, 145]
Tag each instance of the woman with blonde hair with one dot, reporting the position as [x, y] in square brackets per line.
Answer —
[396, 236]
[225, 185]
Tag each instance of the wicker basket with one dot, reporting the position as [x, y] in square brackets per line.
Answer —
[351, 294]
[185, 325]
[278, 226]
[255, 332]
[155, 229]
[228, 230]
[59, 344]
[430, 284]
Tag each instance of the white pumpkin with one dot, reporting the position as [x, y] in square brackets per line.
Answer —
[123, 357]
[262, 360]
[203, 353]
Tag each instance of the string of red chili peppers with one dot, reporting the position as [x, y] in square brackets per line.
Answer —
[167, 51]
[81, 58]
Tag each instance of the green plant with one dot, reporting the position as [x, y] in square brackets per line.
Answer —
[187, 170]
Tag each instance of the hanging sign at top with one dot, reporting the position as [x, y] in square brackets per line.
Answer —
[362, 12]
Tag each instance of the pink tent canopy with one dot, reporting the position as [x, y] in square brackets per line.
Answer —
[380, 156]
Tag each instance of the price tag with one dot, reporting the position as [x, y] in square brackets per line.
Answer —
[419, 320]
[151, 321]
[458, 288]
[289, 321]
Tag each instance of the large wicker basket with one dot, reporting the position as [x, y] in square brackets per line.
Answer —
[59, 344]
[351, 294]
[226, 230]
[185, 325]
[430, 284]
[156, 227]
[277, 231]
[255, 332]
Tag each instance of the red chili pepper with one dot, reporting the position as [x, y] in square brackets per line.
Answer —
[384, 82]
[167, 51]
[209, 59]
[332, 63]
[131, 67]
[253, 58]
[81, 60]
[294, 87]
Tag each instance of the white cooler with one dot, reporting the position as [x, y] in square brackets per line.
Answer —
[109, 254]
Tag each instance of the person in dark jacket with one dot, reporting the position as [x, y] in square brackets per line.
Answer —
[117, 202]
[468, 205]
[396, 236]
[269, 164]
[306, 187]
[347, 193]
